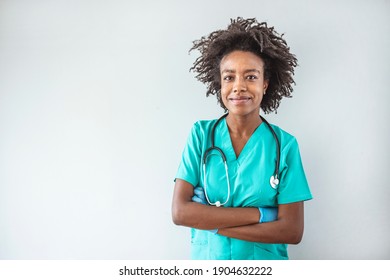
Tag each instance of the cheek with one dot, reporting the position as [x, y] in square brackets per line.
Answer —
[223, 97]
[224, 91]
[226, 87]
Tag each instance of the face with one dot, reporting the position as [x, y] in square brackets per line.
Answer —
[242, 82]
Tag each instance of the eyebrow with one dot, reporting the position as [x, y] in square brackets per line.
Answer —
[246, 71]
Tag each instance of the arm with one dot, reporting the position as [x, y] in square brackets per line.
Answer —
[185, 212]
[287, 229]
[240, 223]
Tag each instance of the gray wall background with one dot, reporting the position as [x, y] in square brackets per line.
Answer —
[96, 102]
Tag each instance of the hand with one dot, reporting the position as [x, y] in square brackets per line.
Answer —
[268, 214]
[199, 196]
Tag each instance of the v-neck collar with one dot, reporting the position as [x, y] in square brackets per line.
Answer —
[227, 144]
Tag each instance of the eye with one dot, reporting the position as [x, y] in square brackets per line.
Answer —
[251, 77]
[228, 78]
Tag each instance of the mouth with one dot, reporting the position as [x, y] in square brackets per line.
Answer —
[239, 99]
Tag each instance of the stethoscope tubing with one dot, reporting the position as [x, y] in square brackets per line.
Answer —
[274, 180]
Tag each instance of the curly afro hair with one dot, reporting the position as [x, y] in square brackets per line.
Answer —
[252, 36]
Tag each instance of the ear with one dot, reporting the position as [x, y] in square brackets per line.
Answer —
[266, 83]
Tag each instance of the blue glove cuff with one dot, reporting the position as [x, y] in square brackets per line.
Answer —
[268, 214]
[199, 196]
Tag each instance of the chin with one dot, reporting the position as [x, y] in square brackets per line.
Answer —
[243, 113]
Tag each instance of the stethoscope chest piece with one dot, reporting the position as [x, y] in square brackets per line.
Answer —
[274, 182]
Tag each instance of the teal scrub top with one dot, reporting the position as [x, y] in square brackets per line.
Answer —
[249, 177]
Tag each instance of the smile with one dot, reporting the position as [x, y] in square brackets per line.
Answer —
[239, 100]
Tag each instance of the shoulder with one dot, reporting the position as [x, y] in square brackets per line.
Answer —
[203, 126]
[285, 138]
[281, 132]
[201, 130]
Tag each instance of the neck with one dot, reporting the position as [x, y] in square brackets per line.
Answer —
[243, 125]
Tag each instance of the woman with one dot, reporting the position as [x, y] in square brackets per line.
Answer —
[248, 67]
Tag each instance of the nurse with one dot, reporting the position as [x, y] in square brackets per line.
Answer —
[248, 67]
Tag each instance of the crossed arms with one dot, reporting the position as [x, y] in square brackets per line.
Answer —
[241, 223]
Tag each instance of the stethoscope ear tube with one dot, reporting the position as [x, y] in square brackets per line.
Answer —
[274, 180]
[222, 154]
[213, 132]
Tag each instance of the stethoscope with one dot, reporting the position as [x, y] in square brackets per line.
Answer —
[274, 181]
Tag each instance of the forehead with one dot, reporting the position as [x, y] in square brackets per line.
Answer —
[241, 60]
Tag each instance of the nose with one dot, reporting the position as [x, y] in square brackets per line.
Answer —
[239, 85]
